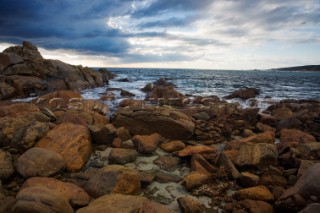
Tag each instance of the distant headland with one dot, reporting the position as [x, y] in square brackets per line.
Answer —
[315, 68]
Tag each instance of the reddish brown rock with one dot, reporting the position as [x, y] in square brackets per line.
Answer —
[146, 144]
[122, 156]
[172, 146]
[201, 165]
[114, 179]
[6, 91]
[40, 162]
[265, 137]
[282, 113]
[75, 195]
[72, 142]
[123, 203]
[188, 205]
[169, 123]
[6, 203]
[249, 180]
[260, 155]
[41, 199]
[190, 150]
[310, 150]
[103, 135]
[194, 179]
[261, 193]
[58, 99]
[294, 137]
[305, 191]
[224, 161]
[6, 167]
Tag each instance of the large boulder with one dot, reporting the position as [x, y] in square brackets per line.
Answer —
[124, 204]
[41, 199]
[72, 142]
[165, 121]
[114, 179]
[29, 74]
[245, 93]
[22, 125]
[40, 162]
[260, 155]
[75, 195]
[305, 191]
[294, 137]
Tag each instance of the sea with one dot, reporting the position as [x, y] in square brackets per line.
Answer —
[274, 85]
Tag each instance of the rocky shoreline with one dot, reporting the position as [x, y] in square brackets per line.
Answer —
[167, 153]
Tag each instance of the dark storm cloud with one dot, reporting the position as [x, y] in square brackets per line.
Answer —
[79, 25]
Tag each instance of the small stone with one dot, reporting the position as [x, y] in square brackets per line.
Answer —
[194, 179]
[172, 146]
[201, 165]
[122, 156]
[254, 193]
[146, 144]
[189, 204]
[249, 180]
[164, 177]
[167, 162]
[190, 150]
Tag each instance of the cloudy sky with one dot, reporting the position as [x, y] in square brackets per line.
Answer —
[206, 34]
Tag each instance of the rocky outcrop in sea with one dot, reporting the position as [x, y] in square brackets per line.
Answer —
[63, 153]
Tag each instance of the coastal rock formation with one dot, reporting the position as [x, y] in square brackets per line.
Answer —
[40, 162]
[24, 72]
[165, 121]
[245, 93]
[72, 142]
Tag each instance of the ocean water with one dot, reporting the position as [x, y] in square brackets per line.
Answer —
[274, 85]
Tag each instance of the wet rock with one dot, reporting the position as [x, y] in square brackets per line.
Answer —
[126, 93]
[172, 146]
[109, 96]
[190, 205]
[249, 180]
[114, 179]
[294, 137]
[58, 99]
[123, 203]
[167, 122]
[103, 135]
[40, 162]
[254, 206]
[6, 167]
[41, 199]
[146, 144]
[264, 127]
[260, 155]
[167, 162]
[265, 137]
[165, 177]
[201, 165]
[190, 150]
[75, 195]
[224, 160]
[310, 151]
[244, 93]
[122, 156]
[261, 193]
[305, 191]
[194, 179]
[72, 142]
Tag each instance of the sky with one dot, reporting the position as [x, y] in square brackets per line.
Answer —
[200, 34]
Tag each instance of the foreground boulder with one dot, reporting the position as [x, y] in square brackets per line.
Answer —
[72, 142]
[305, 191]
[114, 179]
[75, 195]
[165, 121]
[41, 199]
[25, 70]
[124, 204]
[40, 162]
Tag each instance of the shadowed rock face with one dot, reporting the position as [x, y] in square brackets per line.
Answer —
[26, 73]
[167, 122]
[305, 191]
